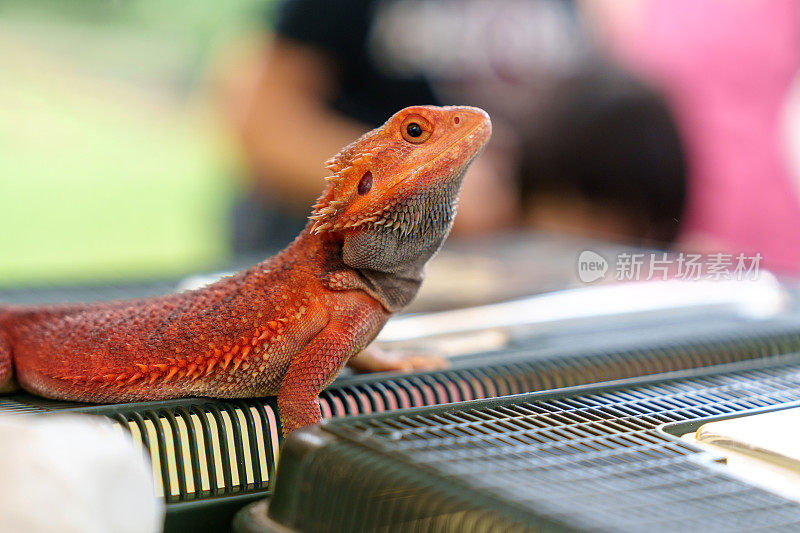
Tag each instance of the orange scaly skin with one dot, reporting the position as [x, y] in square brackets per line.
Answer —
[285, 326]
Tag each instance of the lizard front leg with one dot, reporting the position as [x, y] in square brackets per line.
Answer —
[374, 358]
[355, 321]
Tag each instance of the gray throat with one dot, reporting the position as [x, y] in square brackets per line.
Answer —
[391, 258]
[394, 292]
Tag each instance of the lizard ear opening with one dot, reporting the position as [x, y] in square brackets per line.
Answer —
[365, 184]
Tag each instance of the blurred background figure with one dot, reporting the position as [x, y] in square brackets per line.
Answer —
[579, 145]
[731, 73]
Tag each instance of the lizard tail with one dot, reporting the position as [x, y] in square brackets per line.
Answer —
[7, 383]
[6, 366]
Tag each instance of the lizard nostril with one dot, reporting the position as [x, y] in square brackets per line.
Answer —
[365, 184]
[456, 120]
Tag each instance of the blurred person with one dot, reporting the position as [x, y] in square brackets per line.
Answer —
[337, 69]
[605, 161]
[730, 70]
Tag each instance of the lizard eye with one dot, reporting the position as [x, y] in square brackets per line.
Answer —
[415, 129]
[365, 184]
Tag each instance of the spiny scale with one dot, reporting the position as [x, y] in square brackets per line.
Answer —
[203, 365]
[343, 165]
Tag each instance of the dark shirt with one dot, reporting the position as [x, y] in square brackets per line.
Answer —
[341, 29]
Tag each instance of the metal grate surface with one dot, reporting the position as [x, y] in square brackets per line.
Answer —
[202, 448]
[588, 460]
[529, 369]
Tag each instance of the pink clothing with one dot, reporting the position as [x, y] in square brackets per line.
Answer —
[726, 67]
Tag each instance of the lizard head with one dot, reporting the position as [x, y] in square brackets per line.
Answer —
[393, 192]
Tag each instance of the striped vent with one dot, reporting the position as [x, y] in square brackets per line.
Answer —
[201, 449]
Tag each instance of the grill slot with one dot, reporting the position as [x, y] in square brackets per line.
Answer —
[207, 448]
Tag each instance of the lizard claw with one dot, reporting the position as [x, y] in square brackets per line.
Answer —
[374, 359]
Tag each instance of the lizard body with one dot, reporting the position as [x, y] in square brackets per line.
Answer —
[285, 326]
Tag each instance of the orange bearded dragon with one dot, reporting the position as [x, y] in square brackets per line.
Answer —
[285, 326]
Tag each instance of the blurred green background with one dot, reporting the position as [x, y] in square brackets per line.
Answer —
[113, 160]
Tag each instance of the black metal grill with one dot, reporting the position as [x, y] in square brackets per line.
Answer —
[230, 447]
[588, 459]
[529, 369]
[203, 448]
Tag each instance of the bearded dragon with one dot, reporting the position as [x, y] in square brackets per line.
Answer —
[287, 325]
